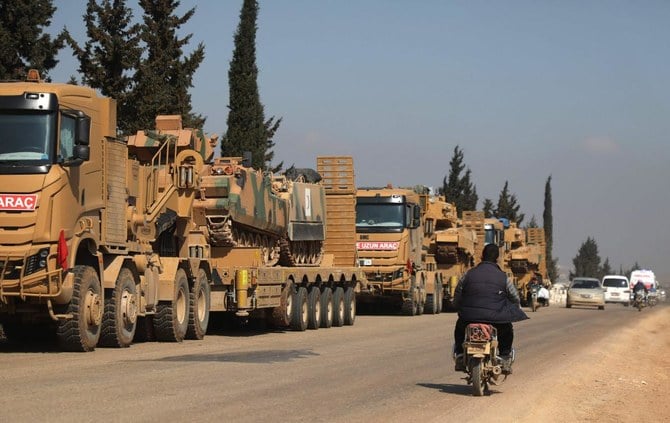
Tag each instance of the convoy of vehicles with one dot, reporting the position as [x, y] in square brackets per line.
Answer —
[411, 247]
[104, 240]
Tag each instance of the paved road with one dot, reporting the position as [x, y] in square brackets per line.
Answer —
[384, 368]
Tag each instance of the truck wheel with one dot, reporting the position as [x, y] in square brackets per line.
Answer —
[409, 307]
[199, 302]
[300, 315]
[349, 306]
[326, 307]
[82, 331]
[120, 318]
[144, 329]
[338, 307]
[314, 308]
[282, 314]
[440, 297]
[420, 304]
[171, 319]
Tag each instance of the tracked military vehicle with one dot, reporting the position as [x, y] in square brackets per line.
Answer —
[243, 207]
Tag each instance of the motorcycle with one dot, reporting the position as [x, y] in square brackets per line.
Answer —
[639, 301]
[480, 359]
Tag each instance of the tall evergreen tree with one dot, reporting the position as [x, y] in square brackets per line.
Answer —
[111, 54]
[23, 45]
[458, 189]
[164, 74]
[508, 207]
[548, 224]
[489, 208]
[587, 260]
[248, 130]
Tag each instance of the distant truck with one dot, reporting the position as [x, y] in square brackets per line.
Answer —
[397, 250]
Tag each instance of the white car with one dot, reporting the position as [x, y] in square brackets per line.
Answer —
[617, 289]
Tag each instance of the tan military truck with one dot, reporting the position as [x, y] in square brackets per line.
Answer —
[96, 239]
[281, 248]
[449, 246]
[391, 236]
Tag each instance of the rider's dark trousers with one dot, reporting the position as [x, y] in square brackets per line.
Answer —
[505, 336]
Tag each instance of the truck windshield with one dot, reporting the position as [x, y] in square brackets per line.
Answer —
[489, 236]
[26, 137]
[380, 217]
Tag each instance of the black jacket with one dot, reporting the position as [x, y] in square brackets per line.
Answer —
[484, 294]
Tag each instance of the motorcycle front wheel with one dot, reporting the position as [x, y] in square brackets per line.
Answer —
[478, 384]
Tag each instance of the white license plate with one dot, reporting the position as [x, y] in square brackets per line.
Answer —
[615, 294]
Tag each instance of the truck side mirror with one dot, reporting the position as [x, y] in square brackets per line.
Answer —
[83, 130]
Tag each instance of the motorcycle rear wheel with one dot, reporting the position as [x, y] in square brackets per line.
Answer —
[478, 384]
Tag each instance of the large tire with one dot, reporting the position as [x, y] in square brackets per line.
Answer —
[327, 307]
[338, 307]
[171, 319]
[431, 304]
[314, 308]
[199, 304]
[82, 332]
[299, 318]
[349, 306]
[120, 319]
[282, 314]
[409, 307]
[144, 331]
[478, 384]
[440, 297]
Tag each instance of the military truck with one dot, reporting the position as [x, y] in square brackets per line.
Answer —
[449, 246]
[97, 238]
[525, 257]
[392, 245]
[316, 286]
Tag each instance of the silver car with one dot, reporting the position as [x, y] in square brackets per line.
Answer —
[586, 292]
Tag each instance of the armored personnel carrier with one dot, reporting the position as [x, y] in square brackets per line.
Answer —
[244, 207]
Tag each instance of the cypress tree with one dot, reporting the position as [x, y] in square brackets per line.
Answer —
[164, 77]
[548, 223]
[508, 207]
[23, 45]
[587, 260]
[111, 54]
[247, 128]
[458, 189]
[488, 208]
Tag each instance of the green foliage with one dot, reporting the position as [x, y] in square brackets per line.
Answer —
[587, 260]
[458, 189]
[548, 224]
[532, 223]
[508, 207]
[488, 208]
[164, 73]
[111, 54]
[248, 130]
[23, 45]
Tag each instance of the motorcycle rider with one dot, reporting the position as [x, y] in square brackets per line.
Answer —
[485, 295]
[533, 284]
[640, 287]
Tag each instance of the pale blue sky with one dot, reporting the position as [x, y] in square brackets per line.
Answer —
[575, 89]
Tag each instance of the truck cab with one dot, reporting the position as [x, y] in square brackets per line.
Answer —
[389, 235]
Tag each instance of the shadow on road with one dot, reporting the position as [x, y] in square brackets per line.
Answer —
[265, 357]
[450, 388]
